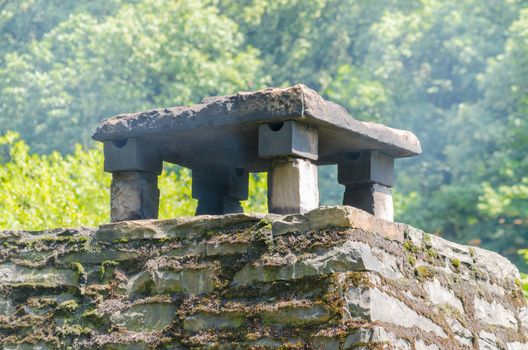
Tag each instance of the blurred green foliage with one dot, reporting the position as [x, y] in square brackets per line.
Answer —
[452, 71]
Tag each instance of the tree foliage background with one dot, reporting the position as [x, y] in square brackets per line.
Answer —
[455, 72]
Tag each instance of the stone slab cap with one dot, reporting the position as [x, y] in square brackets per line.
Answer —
[224, 129]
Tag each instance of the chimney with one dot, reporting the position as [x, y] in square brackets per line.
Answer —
[287, 132]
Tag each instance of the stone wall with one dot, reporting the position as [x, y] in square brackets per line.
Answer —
[334, 278]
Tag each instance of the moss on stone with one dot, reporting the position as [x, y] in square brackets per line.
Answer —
[410, 247]
[426, 240]
[103, 269]
[456, 263]
[411, 259]
[68, 306]
[424, 272]
[433, 253]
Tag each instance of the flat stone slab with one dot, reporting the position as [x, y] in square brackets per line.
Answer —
[224, 130]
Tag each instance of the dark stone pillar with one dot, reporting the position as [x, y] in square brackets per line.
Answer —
[135, 165]
[219, 190]
[368, 179]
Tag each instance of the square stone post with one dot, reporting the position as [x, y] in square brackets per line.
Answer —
[368, 179]
[135, 165]
[219, 190]
[292, 177]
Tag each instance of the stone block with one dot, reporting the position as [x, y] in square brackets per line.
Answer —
[487, 341]
[366, 167]
[373, 198]
[461, 333]
[441, 296]
[375, 305]
[287, 139]
[325, 343]
[207, 320]
[374, 338]
[7, 307]
[14, 275]
[132, 154]
[134, 196]
[295, 315]
[190, 281]
[350, 256]
[292, 186]
[146, 317]
[494, 314]
[340, 216]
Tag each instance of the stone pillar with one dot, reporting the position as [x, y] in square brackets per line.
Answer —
[292, 186]
[292, 177]
[135, 165]
[219, 190]
[368, 179]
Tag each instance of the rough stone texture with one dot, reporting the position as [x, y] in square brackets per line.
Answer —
[288, 139]
[134, 195]
[292, 186]
[334, 278]
[224, 130]
[374, 198]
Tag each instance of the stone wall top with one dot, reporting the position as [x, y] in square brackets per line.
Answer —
[335, 278]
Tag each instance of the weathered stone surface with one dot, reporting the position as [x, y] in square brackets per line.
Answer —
[183, 228]
[495, 265]
[341, 216]
[100, 257]
[209, 128]
[133, 154]
[523, 316]
[375, 199]
[192, 281]
[461, 333]
[375, 337]
[11, 274]
[375, 305]
[440, 295]
[333, 278]
[292, 186]
[287, 139]
[296, 316]
[516, 346]
[487, 341]
[145, 317]
[6, 307]
[421, 345]
[350, 256]
[134, 195]
[216, 321]
[494, 314]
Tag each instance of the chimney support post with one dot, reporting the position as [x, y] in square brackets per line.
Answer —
[292, 177]
[368, 177]
[219, 190]
[135, 165]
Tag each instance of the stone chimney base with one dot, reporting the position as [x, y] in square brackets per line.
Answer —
[333, 278]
